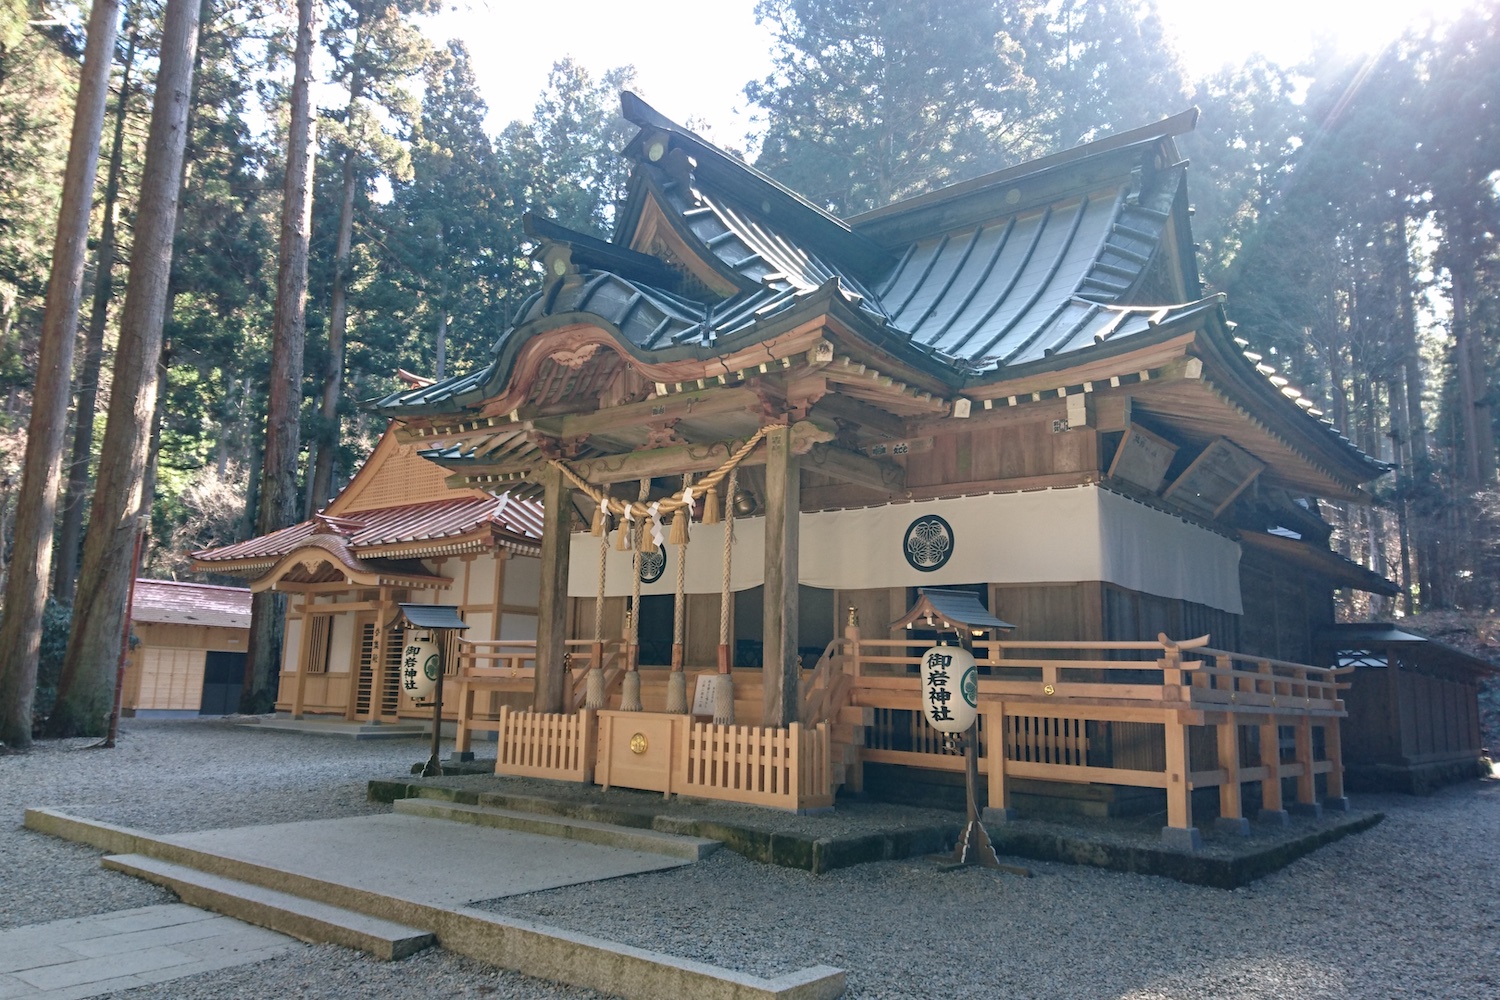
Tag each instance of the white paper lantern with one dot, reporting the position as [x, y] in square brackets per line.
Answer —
[421, 661]
[950, 688]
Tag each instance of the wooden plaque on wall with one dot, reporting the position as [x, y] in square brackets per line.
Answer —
[1142, 458]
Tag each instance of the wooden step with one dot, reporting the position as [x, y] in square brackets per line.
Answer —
[302, 918]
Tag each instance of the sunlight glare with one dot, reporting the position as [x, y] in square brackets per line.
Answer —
[1210, 35]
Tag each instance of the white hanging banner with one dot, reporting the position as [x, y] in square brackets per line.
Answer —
[1046, 536]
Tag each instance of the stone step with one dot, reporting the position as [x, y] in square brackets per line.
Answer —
[403, 730]
[587, 831]
[306, 919]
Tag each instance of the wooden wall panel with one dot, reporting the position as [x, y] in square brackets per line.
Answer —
[1047, 612]
[1002, 451]
[702, 647]
[876, 611]
[171, 679]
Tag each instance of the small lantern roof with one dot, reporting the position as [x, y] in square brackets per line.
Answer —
[953, 610]
[432, 616]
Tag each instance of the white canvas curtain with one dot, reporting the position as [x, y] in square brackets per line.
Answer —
[1047, 536]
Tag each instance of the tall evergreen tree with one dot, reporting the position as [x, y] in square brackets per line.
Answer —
[26, 585]
[873, 100]
[278, 506]
[376, 50]
[38, 88]
[452, 240]
[86, 688]
[1111, 67]
[70, 534]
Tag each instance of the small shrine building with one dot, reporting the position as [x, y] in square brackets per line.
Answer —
[395, 533]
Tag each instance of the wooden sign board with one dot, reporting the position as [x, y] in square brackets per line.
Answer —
[703, 695]
[1142, 458]
[1213, 480]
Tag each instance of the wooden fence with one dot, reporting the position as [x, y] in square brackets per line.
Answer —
[546, 745]
[781, 768]
[755, 765]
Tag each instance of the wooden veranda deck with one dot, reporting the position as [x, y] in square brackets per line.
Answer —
[1177, 716]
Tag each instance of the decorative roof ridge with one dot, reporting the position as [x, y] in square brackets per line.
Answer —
[591, 251]
[1167, 128]
[717, 167]
[328, 524]
[187, 583]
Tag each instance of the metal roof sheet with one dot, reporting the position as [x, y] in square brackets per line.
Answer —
[385, 527]
[951, 607]
[999, 290]
[433, 616]
[173, 602]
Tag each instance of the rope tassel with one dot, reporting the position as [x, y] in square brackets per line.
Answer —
[601, 522]
[711, 506]
[679, 534]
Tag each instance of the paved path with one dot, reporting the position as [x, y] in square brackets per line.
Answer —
[424, 860]
[88, 956]
[432, 861]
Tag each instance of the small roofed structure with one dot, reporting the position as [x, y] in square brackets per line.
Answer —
[189, 658]
[1413, 708]
[955, 610]
[396, 534]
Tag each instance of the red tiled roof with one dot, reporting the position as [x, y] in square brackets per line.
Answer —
[170, 602]
[383, 528]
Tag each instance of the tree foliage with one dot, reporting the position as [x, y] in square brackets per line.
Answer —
[873, 100]
[1350, 210]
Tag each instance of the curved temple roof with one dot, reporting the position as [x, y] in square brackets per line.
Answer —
[403, 532]
[1036, 268]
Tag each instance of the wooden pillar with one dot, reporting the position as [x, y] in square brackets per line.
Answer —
[502, 556]
[1306, 790]
[1270, 759]
[854, 765]
[1230, 806]
[1332, 741]
[551, 683]
[999, 808]
[299, 687]
[1179, 778]
[780, 674]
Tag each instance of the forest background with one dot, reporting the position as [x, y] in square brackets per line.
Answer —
[1349, 208]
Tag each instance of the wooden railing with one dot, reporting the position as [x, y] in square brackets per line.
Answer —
[495, 672]
[1164, 714]
[1169, 715]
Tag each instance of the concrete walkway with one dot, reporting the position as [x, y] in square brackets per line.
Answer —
[429, 861]
[89, 956]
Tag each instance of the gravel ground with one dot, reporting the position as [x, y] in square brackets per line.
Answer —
[1408, 909]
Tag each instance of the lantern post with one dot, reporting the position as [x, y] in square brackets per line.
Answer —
[418, 661]
[950, 700]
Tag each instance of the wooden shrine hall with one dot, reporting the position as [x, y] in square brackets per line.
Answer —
[758, 431]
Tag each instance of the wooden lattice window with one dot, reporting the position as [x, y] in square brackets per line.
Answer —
[315, 644]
